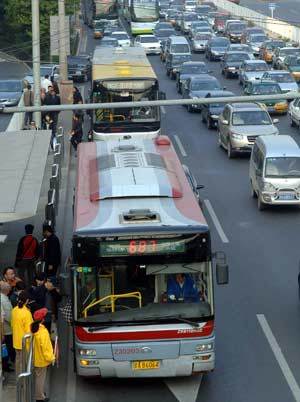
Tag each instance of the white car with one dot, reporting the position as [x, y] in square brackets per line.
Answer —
[122, 38]
[294, 112]
[149, 43]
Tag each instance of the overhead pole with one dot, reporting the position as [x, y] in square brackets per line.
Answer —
[63, 68]
[36, 58]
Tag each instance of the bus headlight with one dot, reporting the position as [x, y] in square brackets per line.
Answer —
[87, 352]
[205, 347]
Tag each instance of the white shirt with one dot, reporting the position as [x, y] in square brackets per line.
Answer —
[6, 309]
[46, 83]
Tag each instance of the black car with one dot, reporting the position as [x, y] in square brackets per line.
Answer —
[231, 63]
[79, 68]
[211, 111]
[235, 30]
[190, 69]
[174, 63]
[216, 48]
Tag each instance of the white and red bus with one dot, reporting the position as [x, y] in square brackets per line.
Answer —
[143, 277]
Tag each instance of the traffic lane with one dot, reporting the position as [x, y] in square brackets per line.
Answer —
[212, 168]
[4, 121]
[288, 11]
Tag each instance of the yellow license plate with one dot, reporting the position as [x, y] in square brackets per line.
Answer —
[146, 365]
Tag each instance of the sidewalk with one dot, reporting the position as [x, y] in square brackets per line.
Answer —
[15, 230]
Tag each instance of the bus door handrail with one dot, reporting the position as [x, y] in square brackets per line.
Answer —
[113, 298]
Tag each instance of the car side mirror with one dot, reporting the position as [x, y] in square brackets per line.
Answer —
[275, 121]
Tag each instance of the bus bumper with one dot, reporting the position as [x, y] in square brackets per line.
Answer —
[120, 136]
[182, 366]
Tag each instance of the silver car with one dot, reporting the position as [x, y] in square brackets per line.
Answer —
[283, 78]
[199, 41]
[240, 124]
[252, 70]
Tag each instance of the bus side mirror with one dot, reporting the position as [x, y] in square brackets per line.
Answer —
[161, 95]
[222, 272]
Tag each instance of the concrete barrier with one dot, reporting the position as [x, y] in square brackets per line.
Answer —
[278, 27]
[17, 121]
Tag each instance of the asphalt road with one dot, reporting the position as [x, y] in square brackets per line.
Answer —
[257, 314]
[287, 10]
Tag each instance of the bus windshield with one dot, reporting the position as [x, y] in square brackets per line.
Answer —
[145, 10]
[131, 284]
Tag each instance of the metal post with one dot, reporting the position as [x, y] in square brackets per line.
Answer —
[63, 69]
[36, 58]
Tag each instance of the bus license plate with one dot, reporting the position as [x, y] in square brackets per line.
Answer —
[146, 365]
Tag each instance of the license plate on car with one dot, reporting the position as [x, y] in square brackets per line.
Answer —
[287, 196]
[146, 365]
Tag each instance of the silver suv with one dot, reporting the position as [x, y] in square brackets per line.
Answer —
[240, 124]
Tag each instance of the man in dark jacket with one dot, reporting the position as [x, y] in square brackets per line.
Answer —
[51, 251]
[52, 99]
[27, 254]
[76, 133]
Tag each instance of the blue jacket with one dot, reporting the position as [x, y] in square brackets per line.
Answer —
[188, 292]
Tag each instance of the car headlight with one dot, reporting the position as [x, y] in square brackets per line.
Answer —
[214, 116]
[87, 352]
[231, 68]
[236, 136]
[205, 347]
[269, 187]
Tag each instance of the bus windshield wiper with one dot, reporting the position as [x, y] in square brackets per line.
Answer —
[184, 320]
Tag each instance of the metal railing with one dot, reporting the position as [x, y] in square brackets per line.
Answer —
[25, 380]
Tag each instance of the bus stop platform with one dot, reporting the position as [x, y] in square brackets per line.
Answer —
[23, 156]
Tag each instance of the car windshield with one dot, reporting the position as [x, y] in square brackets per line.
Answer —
[266, 89]
[282, 77]
[251, 118]
[256, 67]
[205, 85]
[180, 48]
[120, 36]
[10, 86]
[237, 57]
[148, 39]
[221, 42]
[257, 38]
[282, 167]
[238, 48]
[109, 42]
[45, 70]
[202, 37]
[236, 27]
[274, 45]
[164, 33]
[285, 52]
[194, 69]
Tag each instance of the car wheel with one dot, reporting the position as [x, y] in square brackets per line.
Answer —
[253, 192]
[293, 124]
[190, 108]
[230, 152]
[208, 123]
[260, 205]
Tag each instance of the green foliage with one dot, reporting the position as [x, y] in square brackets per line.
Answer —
[17, 17]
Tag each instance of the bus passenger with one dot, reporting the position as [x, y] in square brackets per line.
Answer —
[182, 288]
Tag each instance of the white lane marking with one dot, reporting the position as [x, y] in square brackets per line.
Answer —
[185, 389]
[3, 238]
[286, 371]
[180, 146]
[216, 221]
[163, 109]
[71, 376]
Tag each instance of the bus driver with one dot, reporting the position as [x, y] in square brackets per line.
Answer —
[182, 288]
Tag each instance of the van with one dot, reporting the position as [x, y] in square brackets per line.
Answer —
[275, 171]
[177, 45]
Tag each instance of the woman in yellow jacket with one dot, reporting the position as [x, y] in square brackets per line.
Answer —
[21, 320]
[43, 353]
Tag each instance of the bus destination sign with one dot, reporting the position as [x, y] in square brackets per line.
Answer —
[123, 248]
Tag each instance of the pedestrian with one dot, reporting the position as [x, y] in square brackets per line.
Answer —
[9, 276]
[21, 320]
[43, 353]
[51, 251]
[6, 309]
[28, 101]
[52, 99]
[14, 294]
[27, 255]
[77, 132]
[46, 82]
[48, 124]
[55, 87]
[32, 125]
[77, 98]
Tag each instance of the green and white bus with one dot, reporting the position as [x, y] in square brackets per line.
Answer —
[142, 15]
